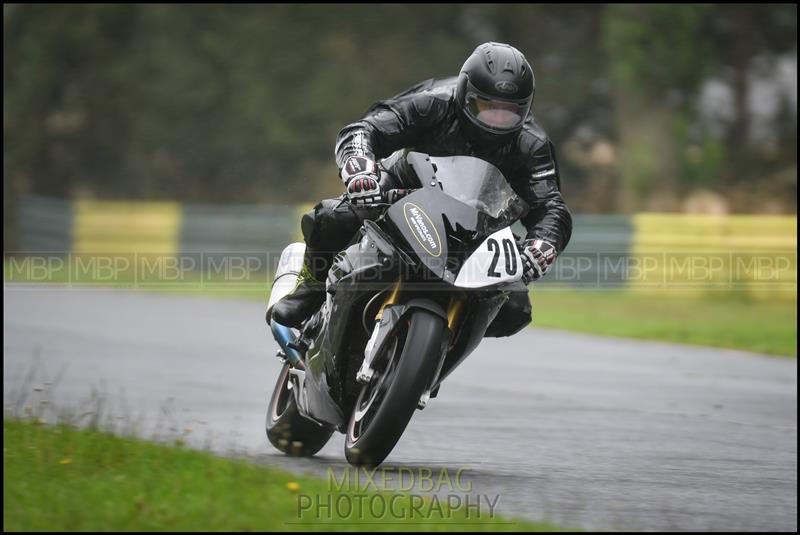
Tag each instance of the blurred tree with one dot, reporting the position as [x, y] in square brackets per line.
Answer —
[573, 94]
[746, 40]
[658, 59]
[243, 102]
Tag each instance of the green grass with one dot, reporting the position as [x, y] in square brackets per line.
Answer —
[725, 320]
[59, 478]
[722, 319]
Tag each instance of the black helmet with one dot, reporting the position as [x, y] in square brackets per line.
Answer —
[495, 92]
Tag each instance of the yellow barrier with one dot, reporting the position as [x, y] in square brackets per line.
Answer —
[677, 252]
[126, 227]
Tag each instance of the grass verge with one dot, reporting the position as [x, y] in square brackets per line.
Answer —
[727, 320]
[59, 478]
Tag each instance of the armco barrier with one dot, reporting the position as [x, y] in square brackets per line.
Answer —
[598, 244]
[645, 251]
[44, 225]
[125, 227]
[239, 229]
[736, 252]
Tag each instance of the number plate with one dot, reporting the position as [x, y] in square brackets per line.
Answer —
[496, 260]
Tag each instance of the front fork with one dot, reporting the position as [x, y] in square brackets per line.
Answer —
[365, 372]
[379, 333]
[454, 310]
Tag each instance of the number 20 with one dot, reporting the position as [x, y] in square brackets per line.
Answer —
[508, 252]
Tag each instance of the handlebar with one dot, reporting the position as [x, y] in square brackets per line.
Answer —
[388, 197]
[393, 195]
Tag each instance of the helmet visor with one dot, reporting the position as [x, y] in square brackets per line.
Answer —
[496, 114]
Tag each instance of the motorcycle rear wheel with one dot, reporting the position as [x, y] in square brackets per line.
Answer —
[287, 430]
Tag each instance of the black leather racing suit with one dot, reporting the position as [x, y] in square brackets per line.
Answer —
[426, 119]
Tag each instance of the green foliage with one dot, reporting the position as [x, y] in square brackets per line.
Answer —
[243, 102]
[657, 48]
[659, 57]
[189, 102]
[701, 160]
[656, 66]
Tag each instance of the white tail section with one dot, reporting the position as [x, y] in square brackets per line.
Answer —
[289, 267]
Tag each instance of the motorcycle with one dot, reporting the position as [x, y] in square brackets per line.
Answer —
[406, 303]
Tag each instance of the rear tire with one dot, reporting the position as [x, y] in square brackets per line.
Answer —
[385, 406]
[287, 430]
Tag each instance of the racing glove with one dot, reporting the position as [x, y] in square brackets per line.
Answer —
[360, 176]
[537, 259]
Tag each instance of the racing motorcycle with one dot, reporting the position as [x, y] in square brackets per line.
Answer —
[406, 303]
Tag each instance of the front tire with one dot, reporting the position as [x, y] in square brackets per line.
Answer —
[385, 406]
[287, 430]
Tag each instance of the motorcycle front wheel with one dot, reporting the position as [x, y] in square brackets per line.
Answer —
[385, 406]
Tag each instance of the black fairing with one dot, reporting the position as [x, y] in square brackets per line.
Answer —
[426, 236]
[441, 231]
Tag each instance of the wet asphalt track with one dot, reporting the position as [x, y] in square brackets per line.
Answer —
[592, 432]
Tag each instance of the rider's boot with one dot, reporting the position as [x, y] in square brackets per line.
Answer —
[307, 297]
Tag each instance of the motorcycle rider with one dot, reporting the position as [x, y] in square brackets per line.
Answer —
[484, 112]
